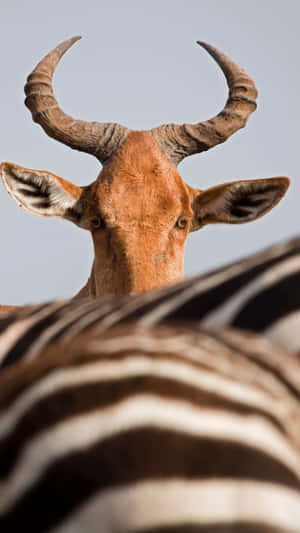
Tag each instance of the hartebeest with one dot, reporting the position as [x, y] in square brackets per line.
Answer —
[139, 210]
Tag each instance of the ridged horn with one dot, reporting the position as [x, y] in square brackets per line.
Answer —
[98, 139]
[179, 141]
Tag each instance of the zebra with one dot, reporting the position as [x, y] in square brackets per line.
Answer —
[259, 293]
[171, 428]
[136, 415]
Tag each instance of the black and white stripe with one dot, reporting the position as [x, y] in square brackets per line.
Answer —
[260, 293]
[129, 422]
[167, 428]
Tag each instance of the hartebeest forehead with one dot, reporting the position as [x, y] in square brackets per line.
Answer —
[139, 182]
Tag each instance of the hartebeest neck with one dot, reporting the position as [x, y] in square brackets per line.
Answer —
[108, 281]
[4, 309]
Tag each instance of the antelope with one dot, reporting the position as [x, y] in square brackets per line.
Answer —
[138, 210]
[167, 428]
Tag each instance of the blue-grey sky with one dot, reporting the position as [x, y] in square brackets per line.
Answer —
[138, 65]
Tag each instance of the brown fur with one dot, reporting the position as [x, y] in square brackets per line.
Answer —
[140, 196]
[144, 212]
[4, 309]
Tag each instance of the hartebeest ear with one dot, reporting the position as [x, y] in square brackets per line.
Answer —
[237, 202]
[40, 192]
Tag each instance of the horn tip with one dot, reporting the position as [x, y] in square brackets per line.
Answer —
[65, 45]
[205, 45]
[74, 39]
[62, 48]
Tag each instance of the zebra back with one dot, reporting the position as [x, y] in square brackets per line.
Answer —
[168, 428]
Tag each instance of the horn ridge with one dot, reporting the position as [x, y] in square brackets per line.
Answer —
[180, 141]
[98, 139]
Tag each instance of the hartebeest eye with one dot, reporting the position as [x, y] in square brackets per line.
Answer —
[97, 222]
[181, 223]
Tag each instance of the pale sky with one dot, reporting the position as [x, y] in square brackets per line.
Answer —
[138, 65]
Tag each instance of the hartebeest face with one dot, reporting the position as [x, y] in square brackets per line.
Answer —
[139, 210]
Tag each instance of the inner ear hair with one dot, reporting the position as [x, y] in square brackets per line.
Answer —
[40, 192]
[252, 199]
[238, 202]
[33, 187]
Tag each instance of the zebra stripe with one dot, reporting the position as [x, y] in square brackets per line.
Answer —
[152, 429]
[175, 508]
[260, 293]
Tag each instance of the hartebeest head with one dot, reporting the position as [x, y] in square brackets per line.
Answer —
[139, 210]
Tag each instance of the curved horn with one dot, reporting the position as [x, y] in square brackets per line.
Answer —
[101, 140]
[180, 141]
